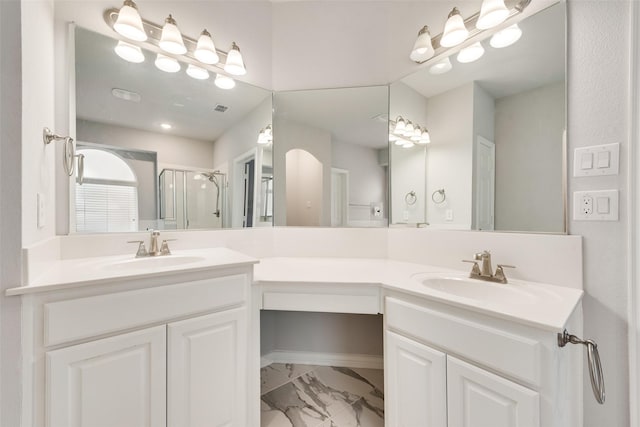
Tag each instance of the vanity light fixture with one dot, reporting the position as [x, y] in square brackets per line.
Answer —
[171, 39]
[224, 82]
[129, 23]
[423, 48]
[129, 52]
[399, 126]
[265, 136]
[426, 138]
[506, 37]
[442, 66]
[205, 49]
[470, 53]
[167, 64]
[455, 31]
[197, 73]
[406, 134]
[235, 64]
[492, 13]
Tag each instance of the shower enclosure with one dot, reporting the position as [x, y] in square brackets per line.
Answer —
[192, 199]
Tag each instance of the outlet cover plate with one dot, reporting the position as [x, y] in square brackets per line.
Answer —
[600, 205]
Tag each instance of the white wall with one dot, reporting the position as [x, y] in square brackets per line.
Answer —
[304, 179]
[528, 160]
[450, 158]
[10, 215]
[598, 99]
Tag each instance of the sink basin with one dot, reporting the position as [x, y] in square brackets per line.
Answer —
[487, 292]
[136, 264]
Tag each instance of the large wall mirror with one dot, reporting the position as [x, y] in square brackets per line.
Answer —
[331, 157]
[495, 160]
[165, 150]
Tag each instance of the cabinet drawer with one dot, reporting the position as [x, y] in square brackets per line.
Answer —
[82, 318]
[503, 351]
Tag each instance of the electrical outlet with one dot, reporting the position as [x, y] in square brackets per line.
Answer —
[601, 205]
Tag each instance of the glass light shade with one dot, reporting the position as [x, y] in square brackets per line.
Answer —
[234, 64]
[197, 72]
[409, 129]
[129, 52]
[392, 137]
[268, 131]
[129, 23]
[455, 31]
[441, 66]
[224, 82]
[470, 53]
[400, 126]
[417, 134]
[492, 13]
[167, 64]
[400, 142]
[262, 137]
[205, 49]
[408, 144]
[426, 138]
[423, 48]
[506, 37]
[171, 39]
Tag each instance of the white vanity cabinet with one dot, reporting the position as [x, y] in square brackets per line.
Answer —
[170, 351]
[449, 367]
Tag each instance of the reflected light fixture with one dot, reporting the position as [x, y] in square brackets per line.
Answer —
[417, 134]
[408, 129]
[441, 67]
[492, 13]
[408, 144]
[167, 64]
[129, 23]
[235, 64]
[407, 134]
[165, 126]
[399, 127]
[265, 136]
[129, 52]
[426, 138]
[422, 48]
[205, 49]
[506, 37]
[455, 31]
[224, 82]
[196, 72]
[470, 53]
[171, 39]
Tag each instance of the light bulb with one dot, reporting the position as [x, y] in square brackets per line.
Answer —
[400, 126]
[506, 37]
[423, 48]
[441, 66]
[455, 31]
[129, 52]
[167, 64]
[129, 23]
[470, 53]
[492, 13]
[234, 64]
[224, 82]
[197, 72]
[171, 39]
[205, 49]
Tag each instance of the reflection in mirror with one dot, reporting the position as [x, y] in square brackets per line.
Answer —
[198, 155]
[331, 157]
[496, 125]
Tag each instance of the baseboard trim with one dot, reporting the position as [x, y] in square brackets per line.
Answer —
[323, 359]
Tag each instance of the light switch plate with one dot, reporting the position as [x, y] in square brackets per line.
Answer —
[592, 161]
[601, 205]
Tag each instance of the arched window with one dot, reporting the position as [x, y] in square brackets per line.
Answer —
[107, 200]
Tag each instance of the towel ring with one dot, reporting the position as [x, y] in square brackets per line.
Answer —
[410, 198]
[440, 198]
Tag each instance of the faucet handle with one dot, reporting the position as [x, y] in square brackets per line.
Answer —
[142, 250]
[164, 248]
[475, 270]
[500, 277]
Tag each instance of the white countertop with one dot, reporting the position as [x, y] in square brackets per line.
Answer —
[550, 310]
[80, 272]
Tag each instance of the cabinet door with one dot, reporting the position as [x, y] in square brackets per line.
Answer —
[416, 390]
[207, 371]
[112, 382]
[478, 398]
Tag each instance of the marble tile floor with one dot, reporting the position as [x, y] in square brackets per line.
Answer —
[321, 396]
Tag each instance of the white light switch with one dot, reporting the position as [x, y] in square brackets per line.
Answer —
[596, 160]
[601, 205]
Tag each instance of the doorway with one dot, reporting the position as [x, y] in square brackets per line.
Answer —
[485, 184]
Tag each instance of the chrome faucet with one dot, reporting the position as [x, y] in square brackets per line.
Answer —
[154, 248]
[486, 271]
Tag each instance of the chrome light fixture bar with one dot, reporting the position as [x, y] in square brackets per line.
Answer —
[514, 7]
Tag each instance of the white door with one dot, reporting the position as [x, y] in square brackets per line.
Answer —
[416, 384]
[478, 398]
[339, 197]
[207, 364]
[485, 183]
[113, 382]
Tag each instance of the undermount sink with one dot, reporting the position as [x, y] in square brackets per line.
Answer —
[481, 291]
[153, 262]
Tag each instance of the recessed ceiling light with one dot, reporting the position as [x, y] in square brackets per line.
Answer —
[165, 126]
